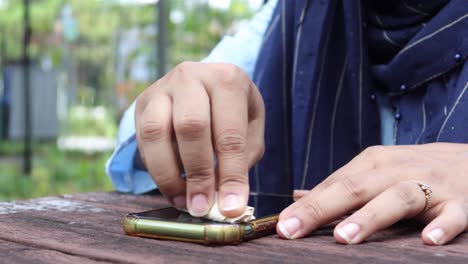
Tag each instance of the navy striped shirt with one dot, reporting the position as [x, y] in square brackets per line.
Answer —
[319, 70]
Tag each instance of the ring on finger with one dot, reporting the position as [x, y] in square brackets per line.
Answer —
[427, 193]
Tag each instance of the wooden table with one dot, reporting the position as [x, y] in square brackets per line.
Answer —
[87, 228]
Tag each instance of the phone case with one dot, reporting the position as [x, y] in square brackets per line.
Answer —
[203, 233]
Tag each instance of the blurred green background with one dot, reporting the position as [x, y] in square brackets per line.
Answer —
[94, 57]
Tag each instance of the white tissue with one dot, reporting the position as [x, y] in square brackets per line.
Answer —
[216, 215]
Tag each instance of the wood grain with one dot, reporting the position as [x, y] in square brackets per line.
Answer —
[17, 253]
[87, 228]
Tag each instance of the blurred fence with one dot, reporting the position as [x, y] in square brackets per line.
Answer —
[43, 98]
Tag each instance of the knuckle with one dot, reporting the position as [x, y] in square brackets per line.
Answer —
[202, 172]
[369, 216]
[257, 150]
[261, 151]
[230, 142]
[326, 183]
[373, 151]
[378, 154]
[458, 211]
[353, 187]
[142, 156]
[166, 185]
[139, 101]
[152, 131]
[142, 99]
[407, 196]
[181, 71]
[230, 75]
[234, 180]
[184, 67]
[191, 127]
[419, 171]
[315, 213]
[427, 172]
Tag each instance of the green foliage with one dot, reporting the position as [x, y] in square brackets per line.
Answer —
[9, 148]
[202, 28]
[55, 172]
[98, 25]
[86, 121]
[92, 55]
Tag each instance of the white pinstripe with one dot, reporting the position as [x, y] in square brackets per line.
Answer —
[432, 34]
[335, 106]
[417, 11]
[270, 194]
[451, 111]
[260, 76]
[434, 76]
[312, 122]
[270, 29]
[298, 40]
[257, 185]
[285, 91]
[424, 123]
[360, 79]
[395, 131]
[444, 78]
[384, 32]
[266, 37]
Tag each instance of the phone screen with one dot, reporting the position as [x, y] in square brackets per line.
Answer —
[172, 214]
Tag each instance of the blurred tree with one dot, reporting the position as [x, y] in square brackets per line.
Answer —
[194, 29]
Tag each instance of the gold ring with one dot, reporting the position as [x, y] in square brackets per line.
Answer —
[427, 193]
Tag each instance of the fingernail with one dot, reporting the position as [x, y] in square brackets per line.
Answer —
[348, 231]
[179, 201]
[231, 202]
[289, 227]
[298, 194]
[199, 206]
[436, 235]
[300, 191]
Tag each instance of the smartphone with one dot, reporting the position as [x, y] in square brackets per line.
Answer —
[172, 224]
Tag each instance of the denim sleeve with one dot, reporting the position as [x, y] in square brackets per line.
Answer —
[241, 49]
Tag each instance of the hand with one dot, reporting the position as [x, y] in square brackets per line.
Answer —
[196, 111]
[380, 184]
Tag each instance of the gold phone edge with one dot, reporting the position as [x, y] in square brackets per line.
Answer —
[200, 233]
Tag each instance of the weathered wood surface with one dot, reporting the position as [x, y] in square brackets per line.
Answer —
[87, 228]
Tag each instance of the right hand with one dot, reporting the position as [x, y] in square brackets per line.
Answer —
[183, 119]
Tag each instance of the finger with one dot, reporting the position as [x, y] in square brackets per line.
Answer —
[403, 200]
[256, 127]
[154, 136]
[360, 164]
[314, 210]
[298, 194]
[229, 99]
[371, 158]
[354, 167]
[451, 222]
[192, 127]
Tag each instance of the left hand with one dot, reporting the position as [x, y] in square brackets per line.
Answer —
[380, 184]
